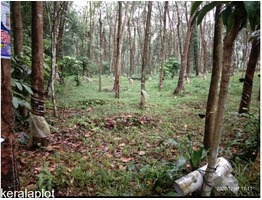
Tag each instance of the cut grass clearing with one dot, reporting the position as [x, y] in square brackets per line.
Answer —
[109, 147]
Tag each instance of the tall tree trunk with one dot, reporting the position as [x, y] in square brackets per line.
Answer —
[178, 32]
[195, 48]
[90, 43]
[163, 52]
[120, 34]
[118, 52]
[189, 57]
[101, 52]
[228, 47]
[132, 48]
[54, 35]
[53, 70]
[17, 28]
[114, 41]
[9, 177]
[149, 60]
[213, 89]
[204, 46]
[18, 43]
[37, 99]
[145, 54]
[60, 36]
[244, 50]
[180, 85]
[172, 29]
[248, 82]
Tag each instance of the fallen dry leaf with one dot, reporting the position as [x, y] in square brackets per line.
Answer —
[141, 153]
[109, 155]
[88, 134]
[121, 167]
[124, 159]
[52, 168]
[148, 145]
[122, 144]
[52, 147]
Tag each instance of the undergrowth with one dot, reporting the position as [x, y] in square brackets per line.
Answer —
[104, 146]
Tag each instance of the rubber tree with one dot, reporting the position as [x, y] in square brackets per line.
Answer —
[145, 55]
[17, 28]
[254, 19]
[17, 31]
[234, 18]
[244, 106]
[180, 84]
[163, 51]
[215, 77]
[118, 52]
[37, 78]
[101, 51]
[56, 14]
[120, 35]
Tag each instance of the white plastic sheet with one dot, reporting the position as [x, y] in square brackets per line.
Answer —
[221, 179]
[39, 126]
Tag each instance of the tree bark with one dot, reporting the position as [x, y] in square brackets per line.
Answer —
[132, 48]
[54, 37]
[204, 46]
[37, 99]
[178, 32]
[114, 41]
[118, 52]
[189, 57]
[17, 28]
[53, 71]
[248, 82]
[60, 36]
[120, 34]
[228, 47]
[145, 55]
[18, 43]
[195, 49]
[180, 85]
[163, 52]
[9, 177]
[101, 52]
[90, 43]
[213, 89]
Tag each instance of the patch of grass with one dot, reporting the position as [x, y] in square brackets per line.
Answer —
[109, 147]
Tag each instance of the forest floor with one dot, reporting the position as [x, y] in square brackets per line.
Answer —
[102, 146]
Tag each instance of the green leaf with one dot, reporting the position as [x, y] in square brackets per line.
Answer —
[18, 94]
[130, 166]
[15, 102]
[28, 89]
[195, 6]
[173, 142]
[19, 86]
[181, 161]
[253, 12]
[226, 14]
[196, 158]
[230, 22]
[202, 13]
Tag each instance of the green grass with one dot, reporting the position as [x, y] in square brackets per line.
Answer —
[134, 157]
